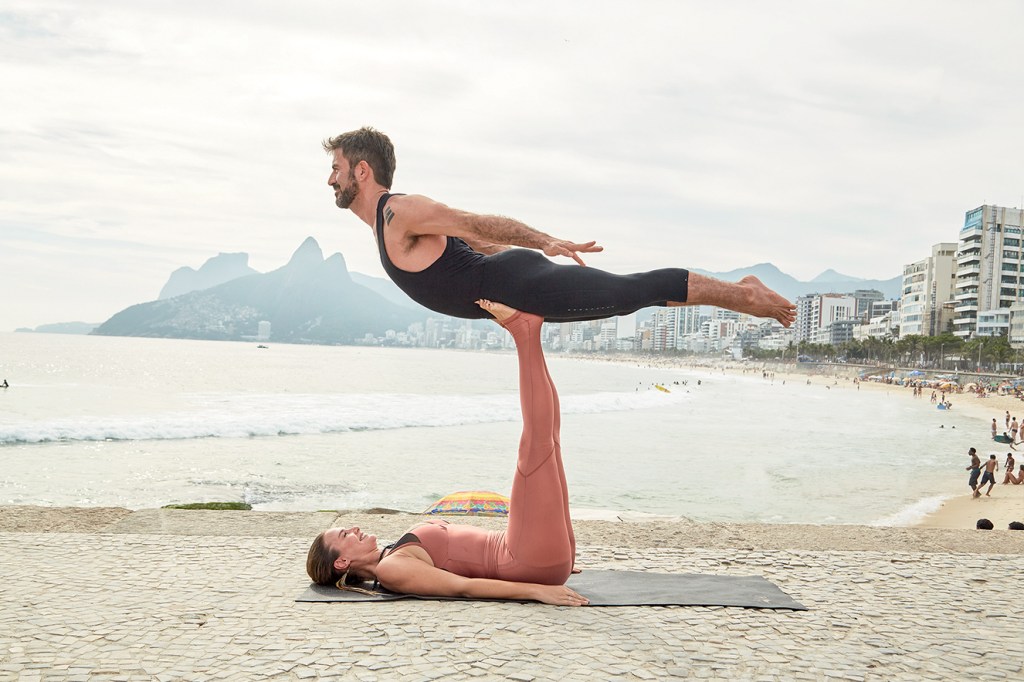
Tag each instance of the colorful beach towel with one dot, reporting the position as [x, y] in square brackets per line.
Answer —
[627, 588]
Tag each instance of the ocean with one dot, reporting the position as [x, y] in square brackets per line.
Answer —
[139, 423]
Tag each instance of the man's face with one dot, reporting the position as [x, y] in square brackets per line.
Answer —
[343, 180]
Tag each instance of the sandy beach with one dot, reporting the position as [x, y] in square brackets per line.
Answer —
[962, 509]
[114, 594]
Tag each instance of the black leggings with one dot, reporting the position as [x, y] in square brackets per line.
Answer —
[528, 281]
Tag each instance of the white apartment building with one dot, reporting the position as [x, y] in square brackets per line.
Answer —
[670, 325]
[927, 284]
[989, 265]
[815, 314]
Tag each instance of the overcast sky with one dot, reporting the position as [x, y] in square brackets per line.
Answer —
[138, 137]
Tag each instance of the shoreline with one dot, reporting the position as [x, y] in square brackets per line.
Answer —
[954, 508]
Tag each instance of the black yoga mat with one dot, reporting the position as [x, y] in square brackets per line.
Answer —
[627, 588]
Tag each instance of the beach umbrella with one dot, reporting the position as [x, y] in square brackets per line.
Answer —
[479, 502]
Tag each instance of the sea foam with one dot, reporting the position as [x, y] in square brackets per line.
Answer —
[241, 416]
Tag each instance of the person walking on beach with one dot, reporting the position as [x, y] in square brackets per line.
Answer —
[1013, 429]
[995, 428]
[1007, 419]
[989, 476]
[531, 559]
[446, 259]
[975, 469]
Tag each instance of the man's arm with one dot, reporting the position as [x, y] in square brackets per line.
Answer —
[416, 215]
[486, 248]
[410, 575]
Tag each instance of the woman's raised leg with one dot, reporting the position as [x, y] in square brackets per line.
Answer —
[539, 537]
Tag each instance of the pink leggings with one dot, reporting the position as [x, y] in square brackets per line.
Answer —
[539, 543]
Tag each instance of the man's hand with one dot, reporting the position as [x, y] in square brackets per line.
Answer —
[561, 247]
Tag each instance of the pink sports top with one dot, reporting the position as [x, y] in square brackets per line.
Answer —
[463, 550]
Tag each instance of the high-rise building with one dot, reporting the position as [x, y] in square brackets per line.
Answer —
[815, 314]
[927, 284]
[670, 325]
[989, 265]
[866, 298]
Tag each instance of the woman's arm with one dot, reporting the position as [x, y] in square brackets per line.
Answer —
[410, 575]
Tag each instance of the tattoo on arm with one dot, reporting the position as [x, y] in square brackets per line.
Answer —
[388, 215]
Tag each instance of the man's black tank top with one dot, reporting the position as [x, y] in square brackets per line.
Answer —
[450, 285]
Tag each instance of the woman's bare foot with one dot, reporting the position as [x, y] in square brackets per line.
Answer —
[500, 311]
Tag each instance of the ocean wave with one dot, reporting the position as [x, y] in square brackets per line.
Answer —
[241, 416]
[914, 513]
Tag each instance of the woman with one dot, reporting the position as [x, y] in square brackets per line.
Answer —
[531, 559]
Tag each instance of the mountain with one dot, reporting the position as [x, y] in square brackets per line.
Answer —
[62, 328]
[223, 267]
[390, 291]
[827, 282]
[831, 275]
[308, 300]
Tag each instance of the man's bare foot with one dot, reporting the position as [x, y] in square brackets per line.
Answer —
[763, 302]
[500, 311]
[749, 296]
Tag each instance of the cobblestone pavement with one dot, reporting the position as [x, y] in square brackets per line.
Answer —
[145, 606]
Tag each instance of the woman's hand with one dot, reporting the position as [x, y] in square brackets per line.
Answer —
[559, 595]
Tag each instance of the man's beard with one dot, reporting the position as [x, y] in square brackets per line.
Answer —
[349, 193]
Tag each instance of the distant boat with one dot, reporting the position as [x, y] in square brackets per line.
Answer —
[262, 346]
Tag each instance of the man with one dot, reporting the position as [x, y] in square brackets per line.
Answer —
[991, 466]
[446, 259]
[975, 469]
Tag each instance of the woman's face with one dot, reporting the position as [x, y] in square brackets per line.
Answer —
[350, 543]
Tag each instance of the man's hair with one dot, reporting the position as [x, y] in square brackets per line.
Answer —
[369, 145]
[984, 524]
[991, 456]
[1016, 525]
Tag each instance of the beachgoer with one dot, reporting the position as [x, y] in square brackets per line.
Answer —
[531, 559]
[1014, 427]
[975, 469]
[995, 428]
[5, 384]
[984, 524]
[446, 259]
[1009, 465]
[989, 476]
